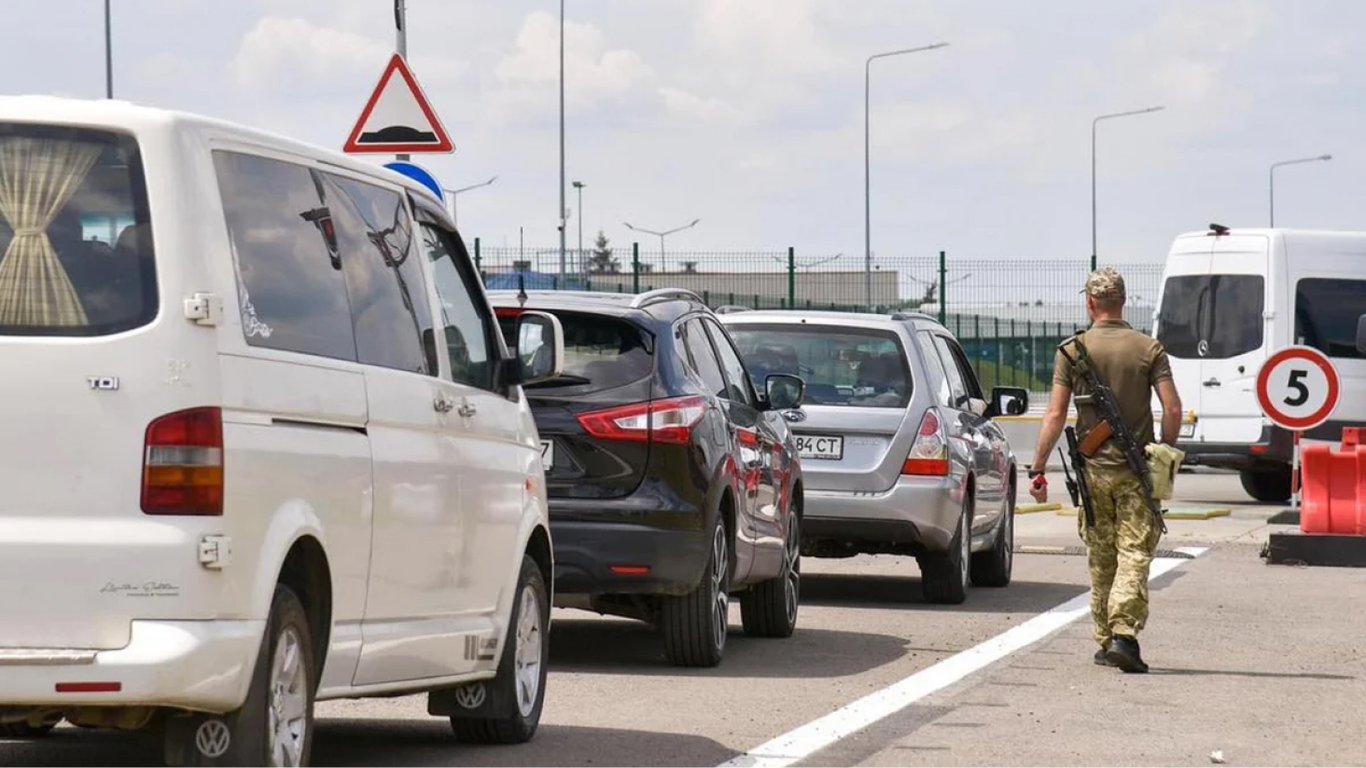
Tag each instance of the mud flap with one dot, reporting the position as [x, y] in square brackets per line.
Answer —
[480, 700]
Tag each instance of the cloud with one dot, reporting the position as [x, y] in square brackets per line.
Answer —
[593, 72]
[707, 109]
[291, 54]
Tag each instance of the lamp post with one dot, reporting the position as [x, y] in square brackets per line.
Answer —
[453, 192]
[1093, 169]
[661, 235]
[1272, 174]
[867, 184]
[578, 187]
[561, 215]
[108, 54]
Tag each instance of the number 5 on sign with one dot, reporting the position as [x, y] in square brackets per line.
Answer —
[1298, 388]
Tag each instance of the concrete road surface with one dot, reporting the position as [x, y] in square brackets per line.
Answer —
[1263, 663]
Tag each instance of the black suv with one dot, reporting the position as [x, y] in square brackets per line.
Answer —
[672, 482]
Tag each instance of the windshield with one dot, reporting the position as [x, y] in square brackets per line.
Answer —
[841, 366]
[1211, 316]
[75, 239]
[599, 352]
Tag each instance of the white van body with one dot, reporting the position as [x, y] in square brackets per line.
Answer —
[398, 504]
[1231, 299]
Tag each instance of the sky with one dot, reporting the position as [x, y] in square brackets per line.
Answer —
[748, 114]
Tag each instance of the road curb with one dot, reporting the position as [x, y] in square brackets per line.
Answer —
[1029, 509]
[1179, 513]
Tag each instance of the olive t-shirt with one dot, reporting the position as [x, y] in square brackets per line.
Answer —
[1132, 364]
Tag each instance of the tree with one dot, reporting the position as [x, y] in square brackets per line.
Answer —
[601, 259]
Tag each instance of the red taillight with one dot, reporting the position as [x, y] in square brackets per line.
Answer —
[929, 454]
[182, 464]
[110, 687]
[662, 421]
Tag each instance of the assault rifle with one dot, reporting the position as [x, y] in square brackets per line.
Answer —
[1077, 486]
[1111, 424]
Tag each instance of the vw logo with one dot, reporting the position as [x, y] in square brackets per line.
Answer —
[212, 738]
[471, 696]
[794, 415]
[1203, 348]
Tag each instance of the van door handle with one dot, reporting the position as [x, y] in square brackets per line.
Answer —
[467, 409]
[1211, 382]
[443, 404]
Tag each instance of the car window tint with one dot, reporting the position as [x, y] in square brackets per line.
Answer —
[599, 352]
[466, 328]
[957, 388]
[1211, 316]
[737, 380]
[1326, 312]
[702, 359]
[935, 368]
[291, 290]
[388, 294]
[965, 370]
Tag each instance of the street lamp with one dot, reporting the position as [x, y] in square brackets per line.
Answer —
[1093, 169]
[1272, 174]
[867, 184]
[578, 186]
[561, 215]
[108, 54]
[453, 192]
[661, 235]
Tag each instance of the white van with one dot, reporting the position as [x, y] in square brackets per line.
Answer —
[1232, 297]
[260, 442]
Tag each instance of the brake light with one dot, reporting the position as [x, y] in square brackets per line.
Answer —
[182, 465]
[662, 421]
[929, 454]
[507, 312]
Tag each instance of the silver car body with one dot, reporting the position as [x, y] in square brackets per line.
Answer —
[861, 502]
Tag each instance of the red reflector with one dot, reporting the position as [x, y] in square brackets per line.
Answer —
[89, 687]
[931, 467]
[1258, 449]
[507, 312]
[182, 464]
[631, 570]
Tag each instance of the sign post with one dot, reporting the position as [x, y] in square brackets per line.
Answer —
[1298, 389]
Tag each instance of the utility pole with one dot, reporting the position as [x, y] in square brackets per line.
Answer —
[108, 54]
[401, 38]
[579, 185]
[562, 214]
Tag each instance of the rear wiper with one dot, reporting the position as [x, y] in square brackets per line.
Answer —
[561, 380]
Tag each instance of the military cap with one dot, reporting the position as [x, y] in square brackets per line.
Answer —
[1105, 283]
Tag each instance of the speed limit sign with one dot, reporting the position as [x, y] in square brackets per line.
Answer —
[1298, 388]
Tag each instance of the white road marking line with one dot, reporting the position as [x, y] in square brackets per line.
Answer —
[802, 742]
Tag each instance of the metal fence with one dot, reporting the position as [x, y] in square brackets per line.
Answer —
[1008, 314]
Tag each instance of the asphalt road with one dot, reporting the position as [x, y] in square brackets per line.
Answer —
[1264, 663]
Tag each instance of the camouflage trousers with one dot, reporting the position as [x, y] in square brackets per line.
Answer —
[1120, 551]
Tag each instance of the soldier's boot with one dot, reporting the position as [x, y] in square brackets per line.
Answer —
[1101, 659]
[1124, 653]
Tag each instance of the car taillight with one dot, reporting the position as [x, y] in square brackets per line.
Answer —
[929, 453]
[663, 421]
[182, 464]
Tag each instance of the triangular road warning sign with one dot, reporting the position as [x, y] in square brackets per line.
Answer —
[398, 117]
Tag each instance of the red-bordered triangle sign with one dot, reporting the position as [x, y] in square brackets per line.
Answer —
[398, 117]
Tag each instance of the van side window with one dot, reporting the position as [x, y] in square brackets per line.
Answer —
[466, 326]
[389, 306]
[291, 291]
[1326, 312]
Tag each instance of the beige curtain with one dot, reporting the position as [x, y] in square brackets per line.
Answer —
[37, 178]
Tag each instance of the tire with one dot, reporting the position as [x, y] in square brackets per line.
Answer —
[274, 726]
[944, 575]
[992, 568]
[1267, 484]
[522, 669]
[26, 730]
[694, 625]
[769, 609]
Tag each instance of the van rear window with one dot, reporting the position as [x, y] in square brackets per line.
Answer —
[75, 234]
[1211, 316]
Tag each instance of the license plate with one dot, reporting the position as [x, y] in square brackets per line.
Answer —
[547, 455]
[1187, 430]
[820, 447]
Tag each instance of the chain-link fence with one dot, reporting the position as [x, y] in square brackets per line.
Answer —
[1009, 315]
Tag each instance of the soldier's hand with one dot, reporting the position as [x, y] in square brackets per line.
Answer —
[1039, 489]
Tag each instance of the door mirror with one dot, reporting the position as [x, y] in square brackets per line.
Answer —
[1361, 334]
[784, 391]
[540, 347]
[1007, 401]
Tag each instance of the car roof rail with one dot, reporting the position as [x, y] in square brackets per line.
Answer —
[913, 316]
[664, 294]
[727, 309]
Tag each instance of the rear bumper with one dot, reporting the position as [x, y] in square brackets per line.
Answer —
[1273, 446]
[662, 561]
[197, 665]
[917, 512]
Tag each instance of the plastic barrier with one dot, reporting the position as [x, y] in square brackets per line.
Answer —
[1334, 494]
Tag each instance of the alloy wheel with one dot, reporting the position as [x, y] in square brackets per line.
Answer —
[527, 654]
[720, 589]
[287, 709]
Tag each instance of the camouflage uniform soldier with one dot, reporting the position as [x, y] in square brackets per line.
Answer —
[1125, 535]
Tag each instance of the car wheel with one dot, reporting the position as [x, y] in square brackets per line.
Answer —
[769, 609]
[521, 671]
[275, 724]
[1267, 484]
[694, 625]
[992, 568]
[944, 575]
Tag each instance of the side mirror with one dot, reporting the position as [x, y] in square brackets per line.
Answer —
[1361, 334]
[540, 347]
[1008, 401]
[784, 391]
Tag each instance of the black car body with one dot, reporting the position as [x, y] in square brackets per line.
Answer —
[671, 481]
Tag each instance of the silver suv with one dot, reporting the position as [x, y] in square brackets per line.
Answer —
[897, 442]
